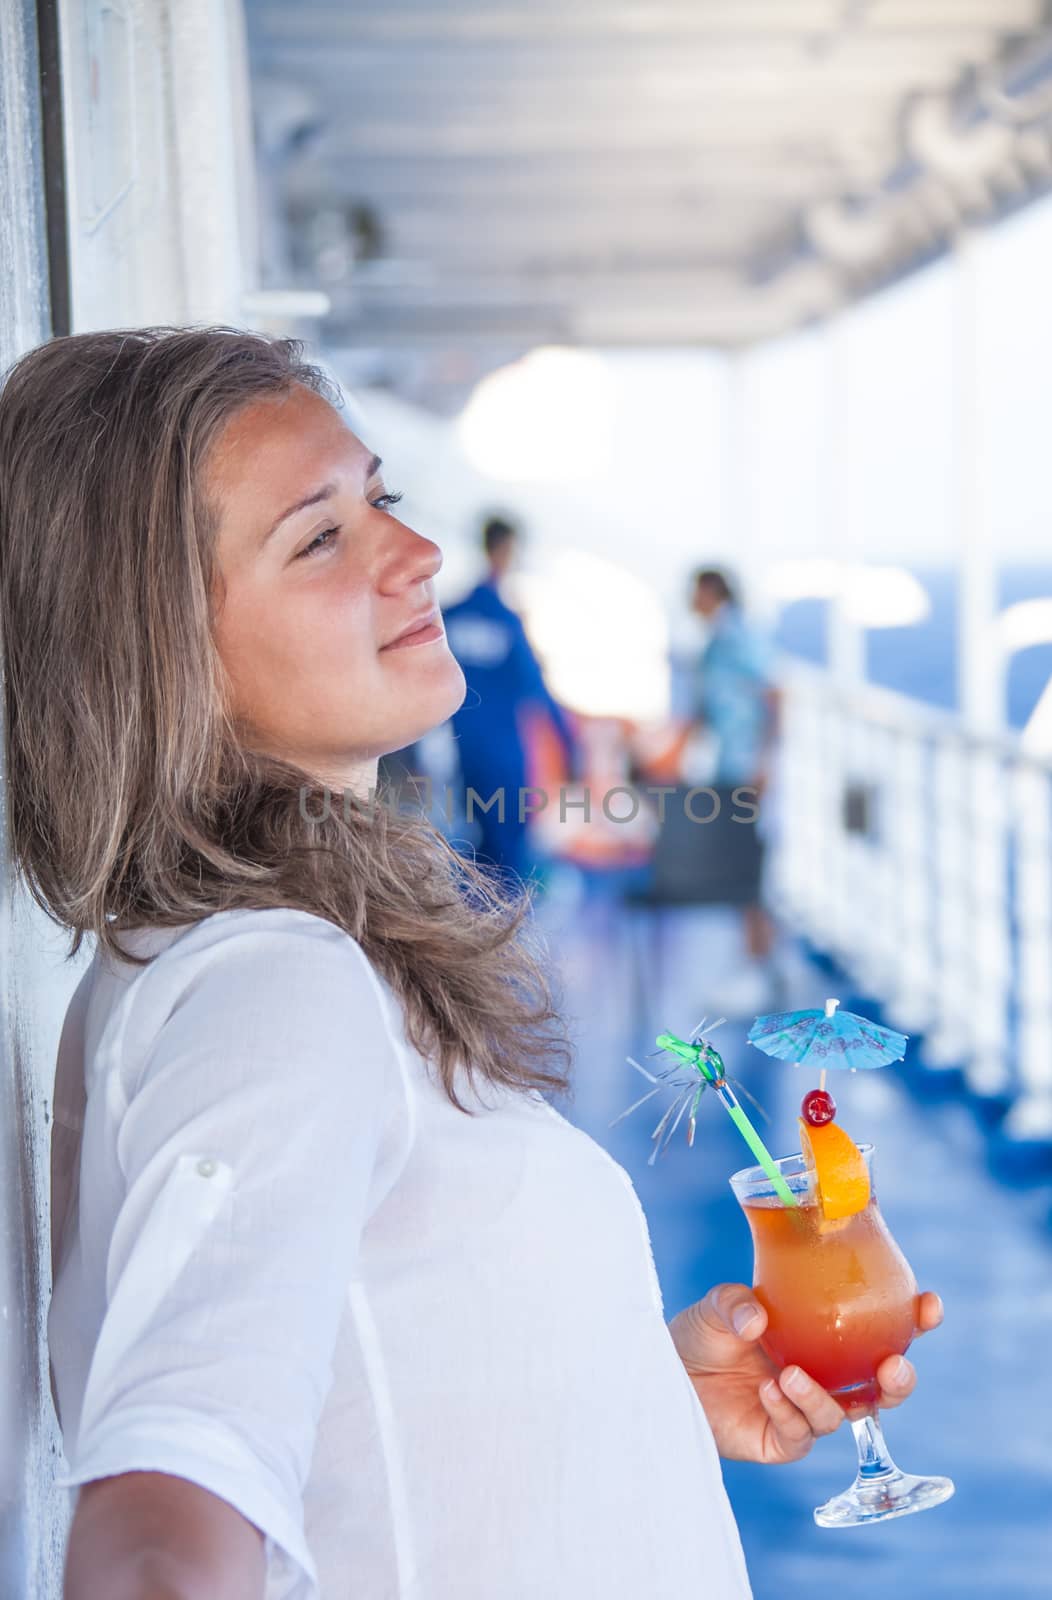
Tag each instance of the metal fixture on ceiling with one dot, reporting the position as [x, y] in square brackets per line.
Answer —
[610, 172]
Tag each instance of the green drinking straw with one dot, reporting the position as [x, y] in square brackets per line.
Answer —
[707, 1061]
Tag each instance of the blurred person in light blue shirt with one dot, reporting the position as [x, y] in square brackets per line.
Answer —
[734, 692]
[735, 699]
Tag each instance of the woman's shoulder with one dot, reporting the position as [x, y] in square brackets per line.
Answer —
[271, 980]
[218, 926]
[264, 937]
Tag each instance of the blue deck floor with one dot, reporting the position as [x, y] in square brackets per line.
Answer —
[982, 1411]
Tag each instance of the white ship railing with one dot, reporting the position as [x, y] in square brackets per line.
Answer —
[919, 856]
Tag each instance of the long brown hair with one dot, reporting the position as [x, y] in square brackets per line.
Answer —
[131, 798]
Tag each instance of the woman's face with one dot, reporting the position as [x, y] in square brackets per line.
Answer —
[319, 584]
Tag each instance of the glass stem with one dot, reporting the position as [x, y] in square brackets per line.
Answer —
[874, 1462]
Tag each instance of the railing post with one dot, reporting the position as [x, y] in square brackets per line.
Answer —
[1030, 1118]
[911, 897]
[987, 914]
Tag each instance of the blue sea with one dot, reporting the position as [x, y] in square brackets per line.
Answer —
[921, 660]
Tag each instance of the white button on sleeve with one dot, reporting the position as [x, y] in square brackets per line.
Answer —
[248, 1145]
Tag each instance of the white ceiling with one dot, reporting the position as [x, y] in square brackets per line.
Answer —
[484, 175]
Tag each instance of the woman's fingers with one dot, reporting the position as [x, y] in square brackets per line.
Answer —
[898, 1379]
[929, 1311]
[897, 1376]
[731, 1308]
[719, 1332]
[800, 1411]
[822, 1412]
[739, 1310]
[793, 1433]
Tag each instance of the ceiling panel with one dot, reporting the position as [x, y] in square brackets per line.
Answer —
[539, 166]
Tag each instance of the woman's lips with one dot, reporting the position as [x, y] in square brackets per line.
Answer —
[427, 633]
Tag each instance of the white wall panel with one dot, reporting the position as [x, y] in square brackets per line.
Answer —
[34, 986]
[159, 166]
[161, 229]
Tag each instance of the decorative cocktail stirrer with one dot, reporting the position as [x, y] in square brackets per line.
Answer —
[705, 1071]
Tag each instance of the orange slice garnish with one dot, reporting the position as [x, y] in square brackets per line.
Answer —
[839, 1168]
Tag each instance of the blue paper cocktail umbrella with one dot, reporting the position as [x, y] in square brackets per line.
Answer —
[829, 1038]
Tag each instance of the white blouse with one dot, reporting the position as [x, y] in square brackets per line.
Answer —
[423, 1352]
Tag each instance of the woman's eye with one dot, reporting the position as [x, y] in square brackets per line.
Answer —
[321, 541]
[317, 543]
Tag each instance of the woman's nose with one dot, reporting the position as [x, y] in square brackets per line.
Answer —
[407, 558]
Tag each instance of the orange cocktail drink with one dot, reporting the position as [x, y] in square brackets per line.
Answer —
[839, 1294]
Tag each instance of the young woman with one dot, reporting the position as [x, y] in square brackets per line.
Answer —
[341, 1306]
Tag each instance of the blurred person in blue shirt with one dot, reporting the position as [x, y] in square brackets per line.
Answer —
[504, 681]
[736, 700]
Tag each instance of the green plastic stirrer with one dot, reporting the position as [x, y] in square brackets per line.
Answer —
[709, 1064]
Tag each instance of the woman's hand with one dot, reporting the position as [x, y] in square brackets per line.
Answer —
[757, 1413]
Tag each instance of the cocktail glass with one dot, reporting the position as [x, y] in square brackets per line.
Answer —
[839, 1296]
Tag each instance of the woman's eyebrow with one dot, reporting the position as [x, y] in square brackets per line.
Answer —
[325, 492]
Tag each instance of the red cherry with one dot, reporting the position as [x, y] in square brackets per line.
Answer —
[818, 1108]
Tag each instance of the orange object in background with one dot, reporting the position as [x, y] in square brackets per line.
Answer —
[545, 757]
[839, 1296]
[659, 754]
[598, 838]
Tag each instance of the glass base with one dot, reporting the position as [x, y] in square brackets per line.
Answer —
[879, 1497]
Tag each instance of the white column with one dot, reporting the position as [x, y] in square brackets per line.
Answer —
[979, 668]
[736, 507]
[984, 959]
[846, 640]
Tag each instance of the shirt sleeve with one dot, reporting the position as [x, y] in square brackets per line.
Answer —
[249, 1145]
[756, 657]
[531, 686]
[694, 704]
